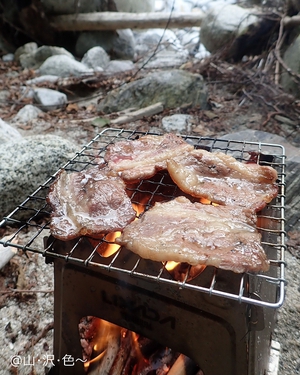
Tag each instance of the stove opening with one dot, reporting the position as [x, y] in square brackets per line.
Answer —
[110, 349]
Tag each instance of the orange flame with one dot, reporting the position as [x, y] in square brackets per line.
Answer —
[170, 265]
[207, 201]
[111, 247]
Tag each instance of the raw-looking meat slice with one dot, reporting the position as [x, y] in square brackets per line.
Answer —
[222, 179]
[142, 158]
[195, 233]
[88, 203]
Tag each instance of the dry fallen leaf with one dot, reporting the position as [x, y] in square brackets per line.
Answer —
[72, 107]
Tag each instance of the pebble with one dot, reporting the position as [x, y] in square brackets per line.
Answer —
[49, 99]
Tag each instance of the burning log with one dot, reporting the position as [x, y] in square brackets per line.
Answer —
[160, 362]
[112, 350]
[184, 366]
[102, 364]
[123, 353]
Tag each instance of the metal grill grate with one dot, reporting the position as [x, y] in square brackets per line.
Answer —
[265, 289]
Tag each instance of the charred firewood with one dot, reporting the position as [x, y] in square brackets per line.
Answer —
[123, 353]
[148, 347]
[160, 362]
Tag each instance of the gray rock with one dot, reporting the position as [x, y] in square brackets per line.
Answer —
[27, 92]
[169, 50]
[135, 6]
[118, 44]
[26, 164]
[223, 23]
[190, 38]
[43, 52]
[116, 66]
[96, 57]
[71, 7]
[8, 57]
[292, 170]
[49, 99]
[27, 60]
[63, 66]
[164, 59]
[27, 113]
[291, 59]
[7, 132]
[28, 48]
[177, 123]
[36, 58]
[46, 78]
[149, 40]
[171, 87]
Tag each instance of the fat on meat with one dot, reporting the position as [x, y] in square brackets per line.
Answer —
[135, 160]
[88, 203]
[222, 179]
[198, 234]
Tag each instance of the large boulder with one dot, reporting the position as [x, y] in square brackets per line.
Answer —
[8, 133]
[26, 164]
[119, 44]
[292, 61]
[171, 87]
[135, 6]
[223, 23]
[72, 7]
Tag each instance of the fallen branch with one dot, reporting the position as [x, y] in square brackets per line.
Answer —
[140, 113]
[27, 291]
[119, 20]
[6, 253]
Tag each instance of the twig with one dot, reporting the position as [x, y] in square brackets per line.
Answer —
[269, 116]
[280, 39]
[20, 291]
[137, 115]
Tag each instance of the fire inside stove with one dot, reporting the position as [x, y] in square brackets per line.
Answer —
[118, 351]
[220, 320]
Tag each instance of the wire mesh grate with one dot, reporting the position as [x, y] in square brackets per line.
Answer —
[267, 289]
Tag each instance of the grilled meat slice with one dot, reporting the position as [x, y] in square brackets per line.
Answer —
[88, 203]
[222, 179]
[142, 158]
[198, 234]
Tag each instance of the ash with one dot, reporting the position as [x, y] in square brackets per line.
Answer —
[26, 317]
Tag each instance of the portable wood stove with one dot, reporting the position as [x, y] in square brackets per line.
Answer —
[222, 320]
